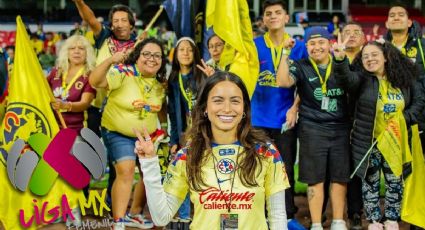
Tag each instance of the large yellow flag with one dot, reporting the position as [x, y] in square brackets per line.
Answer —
[230, 21]
[413, 203]
[28, 112]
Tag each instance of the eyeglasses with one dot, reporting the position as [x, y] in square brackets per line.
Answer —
[216, 46]
[354, 33]
[148, 55]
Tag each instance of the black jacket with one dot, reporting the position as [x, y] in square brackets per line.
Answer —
[412, 46]
[366, 88]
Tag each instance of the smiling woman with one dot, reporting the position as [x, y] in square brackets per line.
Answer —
[230, 169]
[388, 103]
[136, 95]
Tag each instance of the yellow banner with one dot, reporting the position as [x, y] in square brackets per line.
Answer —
[393, 144]
[230, 21]
[413, 203]
[28, 112]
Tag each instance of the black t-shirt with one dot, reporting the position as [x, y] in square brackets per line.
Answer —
[310, 91]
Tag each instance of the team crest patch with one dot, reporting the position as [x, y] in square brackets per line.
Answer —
[79, 85]
[226, 166]
[21, 120]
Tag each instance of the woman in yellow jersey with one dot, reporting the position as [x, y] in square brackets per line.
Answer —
[388, 102]
[135, 96]
[230, 169]
[183, 85]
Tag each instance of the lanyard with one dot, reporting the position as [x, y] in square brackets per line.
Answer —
[384, 96]
[422, 51]
[187, 96]
[233, 179]
[65, 87]
[328, 73]
[276, 51]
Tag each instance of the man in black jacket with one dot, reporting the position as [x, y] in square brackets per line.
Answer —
[406, 35]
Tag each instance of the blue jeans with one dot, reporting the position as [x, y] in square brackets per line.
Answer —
[184, 210]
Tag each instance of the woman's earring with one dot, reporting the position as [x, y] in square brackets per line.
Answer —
[243, 115]
[205, 114]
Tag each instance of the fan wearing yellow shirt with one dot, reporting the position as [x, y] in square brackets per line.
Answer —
[230, 169]
[135, 97]
[389, 101]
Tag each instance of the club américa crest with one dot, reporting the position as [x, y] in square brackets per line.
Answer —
[21, 120]
[226, 166]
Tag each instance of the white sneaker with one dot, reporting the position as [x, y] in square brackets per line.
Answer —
[138, 221]
[375, 226]
[391, 225]
[118, 226]
[316, 226]
[338, 225]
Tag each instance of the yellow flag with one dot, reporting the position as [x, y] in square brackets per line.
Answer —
[393, 144]
[413, 203]
[230, 21]
[28, 112]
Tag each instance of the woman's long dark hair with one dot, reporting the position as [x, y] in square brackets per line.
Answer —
[400, 70]
[198, 77]
[200, 136]
[135, 54]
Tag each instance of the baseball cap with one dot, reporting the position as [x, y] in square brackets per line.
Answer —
[316, 32]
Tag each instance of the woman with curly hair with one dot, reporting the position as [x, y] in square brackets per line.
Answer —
[230, 169]
[386, 91]
[136, 95]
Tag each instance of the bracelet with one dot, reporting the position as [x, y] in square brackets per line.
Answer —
[286, 52]
[164, 125]
[70, 106]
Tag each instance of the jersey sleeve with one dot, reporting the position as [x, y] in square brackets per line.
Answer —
[276, 179]
[176, 181]
[295, 71]
[114, 77]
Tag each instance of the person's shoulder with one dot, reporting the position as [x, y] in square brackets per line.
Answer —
[127, 70]
[181, 156]
[268, 150]
[259, 39]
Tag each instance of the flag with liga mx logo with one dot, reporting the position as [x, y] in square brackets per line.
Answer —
[28, 112]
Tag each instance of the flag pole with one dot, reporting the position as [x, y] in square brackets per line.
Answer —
[53, 99]
[153, 20]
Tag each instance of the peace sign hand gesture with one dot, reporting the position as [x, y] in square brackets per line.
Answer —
[208, 70]
[144, 147]
[339, 48]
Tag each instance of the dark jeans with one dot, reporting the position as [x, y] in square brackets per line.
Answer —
[94, 117]
[286, 143]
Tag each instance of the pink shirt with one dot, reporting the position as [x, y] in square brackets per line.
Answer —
[73, 120]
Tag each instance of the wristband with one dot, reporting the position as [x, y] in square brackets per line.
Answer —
[70, 106]
[286, 52]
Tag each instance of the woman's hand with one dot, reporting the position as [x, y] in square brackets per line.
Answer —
[208, 70]
[59, 104]
[173, 149]
[339, 48]
[119, 57]
[144, 147]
